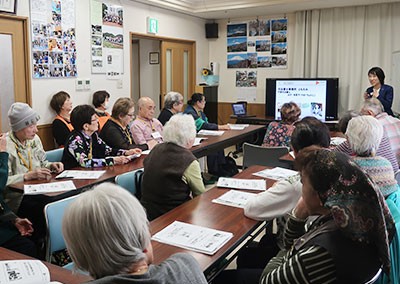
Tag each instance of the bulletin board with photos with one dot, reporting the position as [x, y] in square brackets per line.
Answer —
[107, 38]
[53, 38]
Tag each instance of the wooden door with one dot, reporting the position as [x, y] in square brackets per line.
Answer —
[177, 68]
[14, 65]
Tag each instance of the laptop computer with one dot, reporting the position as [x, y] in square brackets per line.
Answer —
[240, 109]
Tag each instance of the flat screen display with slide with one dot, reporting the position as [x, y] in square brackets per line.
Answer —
[316, 97]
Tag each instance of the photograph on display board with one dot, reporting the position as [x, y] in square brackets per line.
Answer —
[279, 61]
[278, 48]
[246, 78]
[279, 36]
[264, 27]
[279, 25]
[263, 45]
[237, 44]
[254, 28]
[236, 30]
[112, 15]
[264, 61]
[112, 37]
[238, 60]
[252, 59]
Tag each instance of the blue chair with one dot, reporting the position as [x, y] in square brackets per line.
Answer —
[54, 213]
[130, 182]
[54, 155]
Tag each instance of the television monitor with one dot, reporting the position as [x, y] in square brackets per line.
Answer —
[316, 97]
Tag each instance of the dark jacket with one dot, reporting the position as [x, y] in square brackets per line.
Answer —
[165, 115]
[385, 97]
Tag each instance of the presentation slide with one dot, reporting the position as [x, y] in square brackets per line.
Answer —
[309, 95]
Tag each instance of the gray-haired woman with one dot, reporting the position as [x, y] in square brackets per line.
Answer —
[107, 234]
[172, 174]
[173, 103]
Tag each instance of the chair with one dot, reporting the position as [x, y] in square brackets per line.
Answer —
[397, 176]
[376, 276]
[130, 182]
[54, 213]
[264, 156]
[54, 155]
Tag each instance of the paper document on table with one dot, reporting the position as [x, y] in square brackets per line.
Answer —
[335, 141]
[146, 152]
[49, 187]
[234, 198]
[211, 132]
[238, 126]
[237, 183]
[198, 140]
[192, 237]
[291, 153]
[80, 174]
[276, 173]
[134, 156]
[24, 272]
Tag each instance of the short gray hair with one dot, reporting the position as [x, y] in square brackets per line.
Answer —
[144, 101]
[364, 134]
[171, 98]
[344, 120]
[372, 104]
[106, 231]
[180, 129]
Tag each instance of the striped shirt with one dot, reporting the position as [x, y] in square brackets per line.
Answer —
[312, 264]
[392, 129]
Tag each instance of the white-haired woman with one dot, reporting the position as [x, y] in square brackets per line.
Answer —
[364, 134]
[110, 224]
[172, 174]
[173, 103]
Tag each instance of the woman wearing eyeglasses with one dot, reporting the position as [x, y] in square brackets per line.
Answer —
[116, 132]
[85, 148]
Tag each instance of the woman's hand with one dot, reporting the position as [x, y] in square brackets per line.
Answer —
[24, 227]
[301, 211]
[120, 160]
[39, 173]
[224, 127]
[57, 167]
[133, 152]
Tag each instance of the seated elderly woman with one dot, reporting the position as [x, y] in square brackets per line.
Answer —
[173, 103]
[101, 101]
[364, 134]
[27, 161]
[61, 103]
[278, 132]
[348, 239]
[116, 132]
[172, 174]
[109, 223]
[85, 148]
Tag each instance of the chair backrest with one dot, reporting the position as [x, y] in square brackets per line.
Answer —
[54, 212]
[376, 276]
[397, 176]
[264, 156]
[54, 155]
[129, 182]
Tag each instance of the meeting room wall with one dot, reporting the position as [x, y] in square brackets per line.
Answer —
[171, 25]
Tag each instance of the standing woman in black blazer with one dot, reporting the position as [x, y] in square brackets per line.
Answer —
[379, 90]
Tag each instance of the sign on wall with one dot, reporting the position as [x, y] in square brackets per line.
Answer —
[107, 40]
[53, 38]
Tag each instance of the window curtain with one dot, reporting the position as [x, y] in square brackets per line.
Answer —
[346, 43]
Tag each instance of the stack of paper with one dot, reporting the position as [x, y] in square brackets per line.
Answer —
[134, 156]
[234, 198]
[49, 187]
[197, 140]
[276, 173]
[237, 126]
[80, 174]
[24, 272]
[253, 184]
[192, 237]
[211, 132]
[146, 152]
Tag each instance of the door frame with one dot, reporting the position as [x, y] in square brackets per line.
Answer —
[134, 35]
[27, 60]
